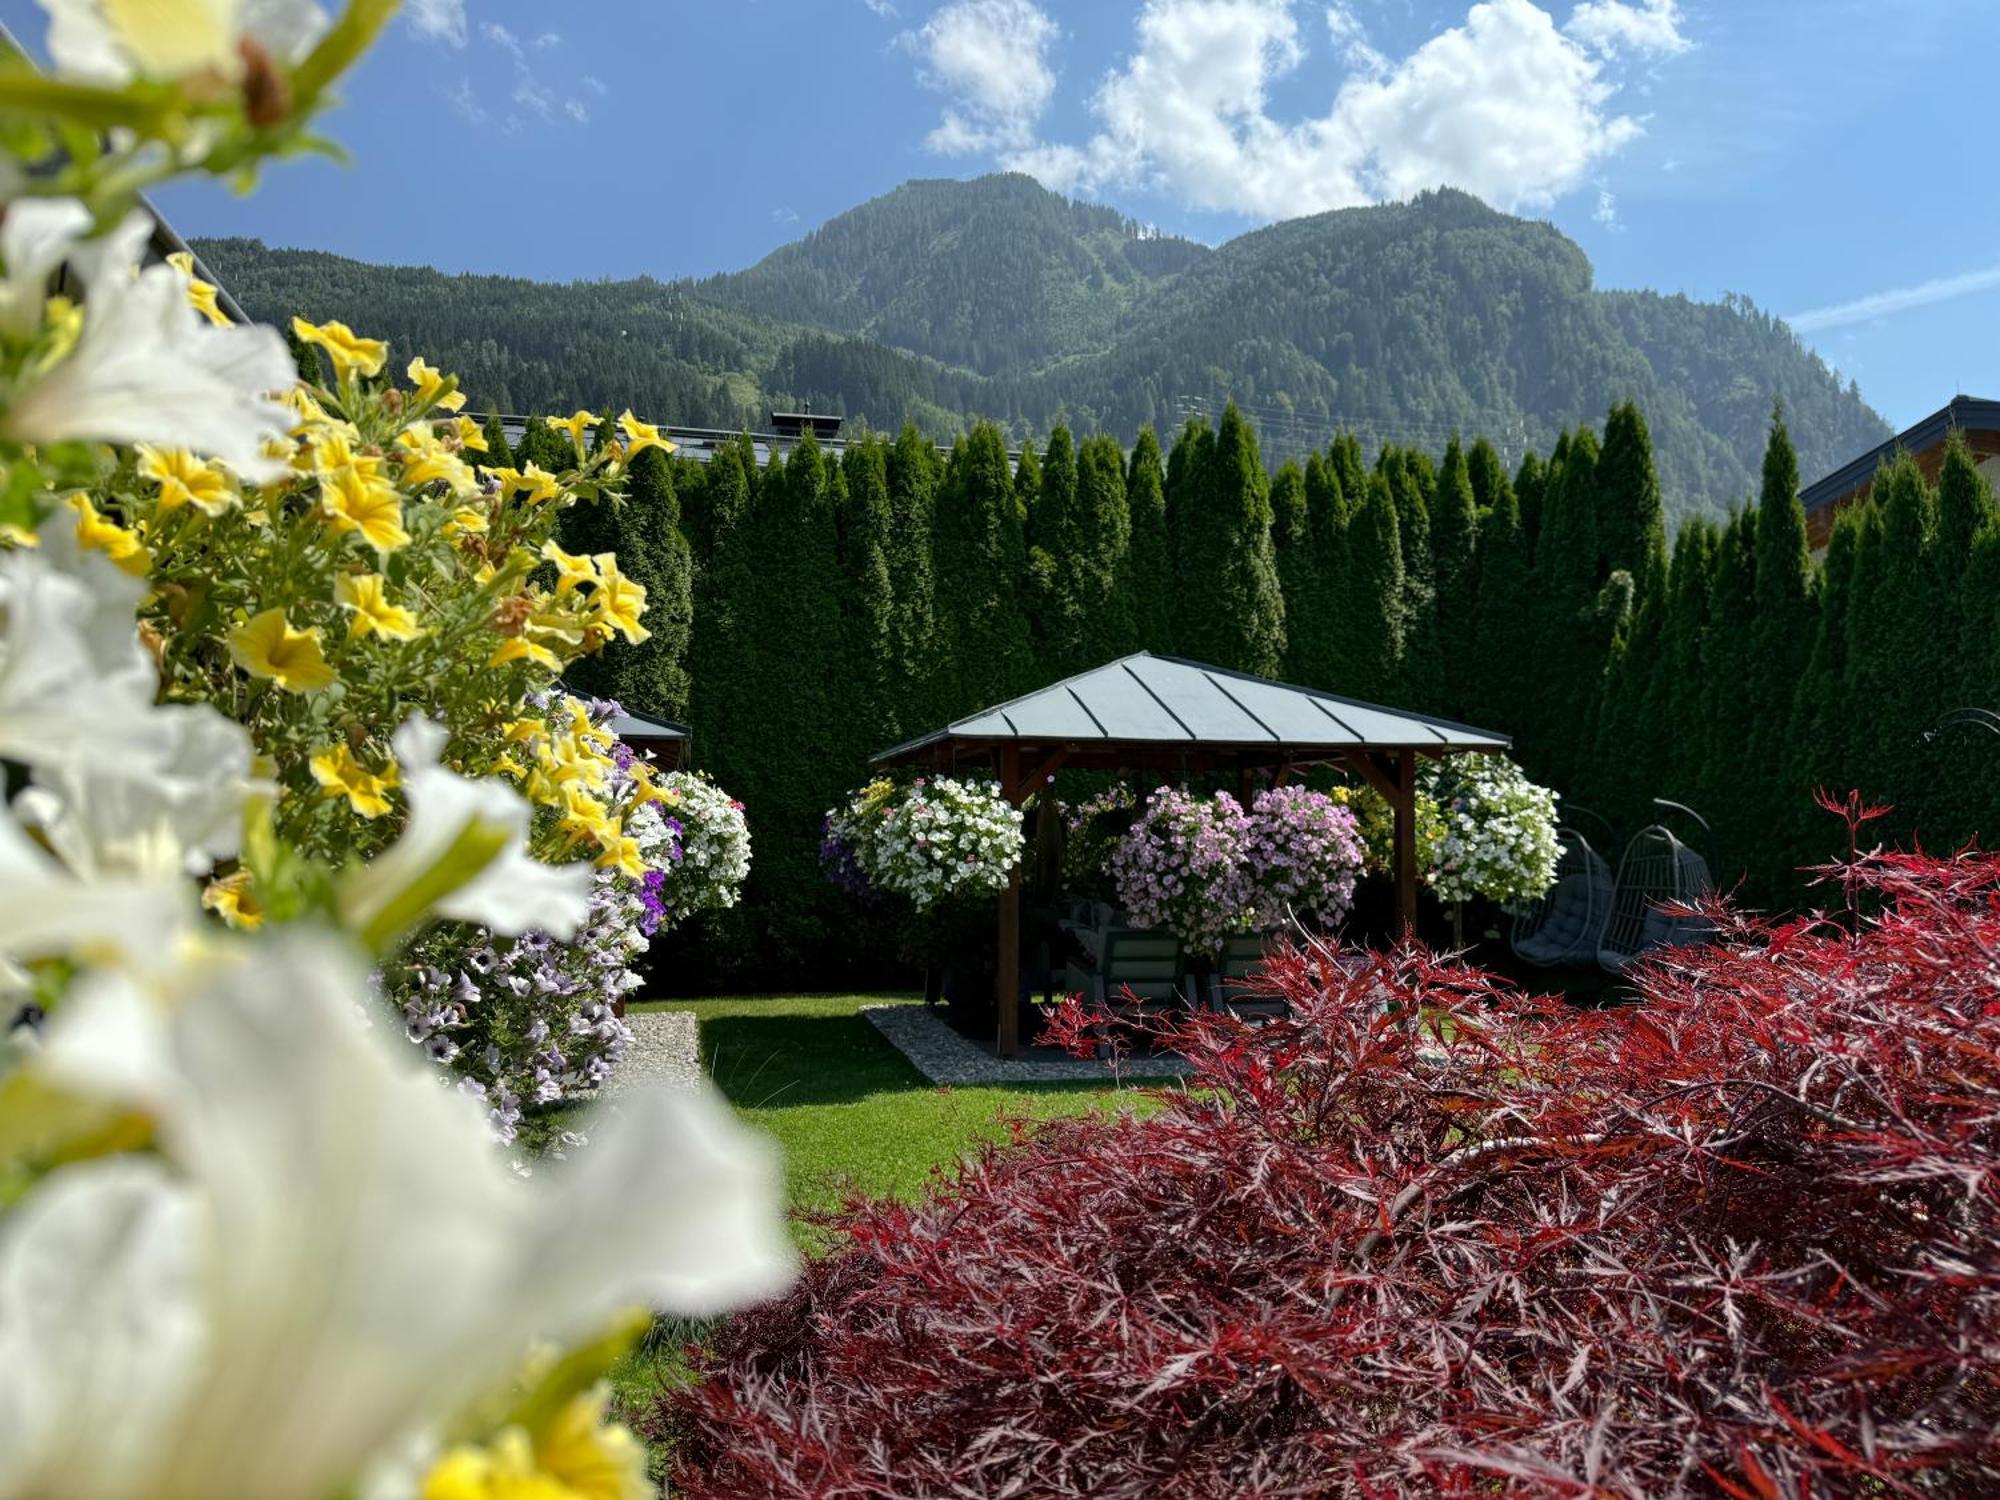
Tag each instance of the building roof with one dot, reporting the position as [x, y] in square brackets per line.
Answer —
[1963, 414]
[1164, 703]
[631, 726]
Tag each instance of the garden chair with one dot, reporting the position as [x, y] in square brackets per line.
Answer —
[1567, 925]
[1655, 870]
[1234, 987]
[1137, 971]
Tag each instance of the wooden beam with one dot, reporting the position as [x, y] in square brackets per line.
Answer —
[1405, 803]
[1370, 770]
[1007, 976]
[1035, 779]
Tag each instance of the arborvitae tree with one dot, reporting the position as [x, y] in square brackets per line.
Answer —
[1150, 565]
[1962, 799]
[1454, 579]
[497, 455]
[1821, 727]
[1349, 469]
[1371, 632]
[1890, 664]
[1631, 523]
[1629, 761]
[1298, 571]
[1566, 585]
[1785, 621]
[864, 528]
[1187, 491]
[723, 590]
[1098, 572]
[1679, 702]
[913, 483]
[1489, 476]
[652, 677]
[980, 562]
[543, 445]
[1504, 647]
[1056, 611]
[1973, 804]
[1233, 610]
[1530, 480]
[1331, 510]
[1729, 791]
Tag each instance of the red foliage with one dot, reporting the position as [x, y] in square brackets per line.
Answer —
[1427, 1236]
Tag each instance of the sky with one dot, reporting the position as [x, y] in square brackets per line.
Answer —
[1824, 158]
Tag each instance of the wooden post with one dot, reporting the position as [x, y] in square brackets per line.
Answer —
[1007, 979]
[1405, 802]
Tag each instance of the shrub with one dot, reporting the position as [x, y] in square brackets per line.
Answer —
[1428, 1236]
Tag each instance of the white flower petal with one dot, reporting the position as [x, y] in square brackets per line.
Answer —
[35, 237]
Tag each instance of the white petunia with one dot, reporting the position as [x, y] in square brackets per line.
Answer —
[36, 236]
[149, 369]
[328, 1259]
[110, 41]
[463, 854]
[46, 912]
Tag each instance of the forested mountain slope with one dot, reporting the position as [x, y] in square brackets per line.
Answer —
[943, 302]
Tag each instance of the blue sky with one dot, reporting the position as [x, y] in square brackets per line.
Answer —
[1823, 157]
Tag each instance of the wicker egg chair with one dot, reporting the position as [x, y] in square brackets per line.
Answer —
[1656, 870]
[1565, 926]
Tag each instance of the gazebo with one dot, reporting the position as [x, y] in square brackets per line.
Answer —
[1176, 717]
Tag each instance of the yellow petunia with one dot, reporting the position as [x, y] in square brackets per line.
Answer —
[363, 593]
[535, 482]
[583, 816]
[520, 648]
[266, 646]
[578, 1456]
[426, 459]
[619, 601]
[339, 774]
[571, 570]
[186, 480]
[355, 501]
[470, 438]
[466, 521]
[350, 353]
[430, 384]
[577, 424]
[201, 294]
[232, 898]
[99, 533]
[639, 436]
[621, 850]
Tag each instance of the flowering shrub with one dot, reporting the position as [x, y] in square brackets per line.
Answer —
[1302, 857]
[936, 840]
[1376, 823]
[1742, 1239]
[249, 1245]
[1181, 867]
[1094, 828]
[1499, 837]
[837, 859]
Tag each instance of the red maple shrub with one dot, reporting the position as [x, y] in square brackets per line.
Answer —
[1430, 1236]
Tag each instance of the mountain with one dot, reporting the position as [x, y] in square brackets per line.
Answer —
[944, 302]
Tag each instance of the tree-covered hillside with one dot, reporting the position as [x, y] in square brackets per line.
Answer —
[946, 302]
[998, 274]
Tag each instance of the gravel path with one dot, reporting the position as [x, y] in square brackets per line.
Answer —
[666, 1048]
[943, 1056]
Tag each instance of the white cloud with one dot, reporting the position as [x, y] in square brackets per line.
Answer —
[502, 38]
[548, 39]
[595, 84]
[883, 8]
[465, 103]
[1651, 28]
[784, 216]
[1506, 104]
[991, 58]
[1606, 212]
[1900, 299]
[575, 110]
[442, 20]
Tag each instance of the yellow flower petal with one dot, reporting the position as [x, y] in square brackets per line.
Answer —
[519, 648]
[365, 595]
[639, 436]
[431, 383]
[185, 479]
[350, 353]
[355, 501]
[341, 775]
[100, 534]
[266, 646]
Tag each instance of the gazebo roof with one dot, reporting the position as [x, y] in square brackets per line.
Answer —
[631, 726]
[1162, 705]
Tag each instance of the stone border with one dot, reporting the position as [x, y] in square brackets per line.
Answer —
[944, 1057]
[666, 1048]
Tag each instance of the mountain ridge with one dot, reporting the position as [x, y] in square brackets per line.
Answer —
[943, 302]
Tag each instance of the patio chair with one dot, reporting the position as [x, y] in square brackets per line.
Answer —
[1234, 987]
[1137, 971]
[1656, 869]
[1567, 925]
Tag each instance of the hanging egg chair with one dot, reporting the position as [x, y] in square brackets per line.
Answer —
[1656, 870]
[1566, 925]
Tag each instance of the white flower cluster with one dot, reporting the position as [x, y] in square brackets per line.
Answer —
[1499, 838]
[715, 847]
[933, 840]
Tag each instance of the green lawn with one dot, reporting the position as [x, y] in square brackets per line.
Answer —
[849, 1113]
